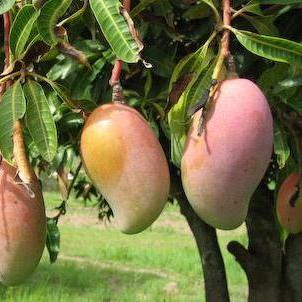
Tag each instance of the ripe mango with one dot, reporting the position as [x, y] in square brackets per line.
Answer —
[289, 204]
[125, 161]
[222, 168]
[22, 228]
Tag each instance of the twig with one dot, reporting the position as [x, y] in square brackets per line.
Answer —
[226, 22]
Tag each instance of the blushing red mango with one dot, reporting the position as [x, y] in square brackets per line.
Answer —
[289, 204]
[125, 161]
[222, 168]
[22, 229]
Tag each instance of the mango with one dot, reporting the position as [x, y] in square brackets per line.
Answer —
[289, 204]
[22, 228]
[125, 161]
[222, 168]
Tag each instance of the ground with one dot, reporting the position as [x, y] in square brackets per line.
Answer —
[98, 263]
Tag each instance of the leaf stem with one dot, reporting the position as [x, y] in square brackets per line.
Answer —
[226, 23]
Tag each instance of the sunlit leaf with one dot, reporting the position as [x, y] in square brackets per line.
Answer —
[272, 48]
[6, 5]
[116, 30]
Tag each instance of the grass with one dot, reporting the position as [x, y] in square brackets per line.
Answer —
[97, 263]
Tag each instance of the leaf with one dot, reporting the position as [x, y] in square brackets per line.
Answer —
[39, 120]
[6, 5]
[178, 119]
[272, 48]
[51, 11]
[252, 7]
[12, 108]
[116, 29]
[213, 7]
[53, 239]
[281, 147]
[21, 29]
[141, 6]
[263, 24]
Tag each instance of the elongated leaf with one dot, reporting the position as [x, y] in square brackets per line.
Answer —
[272, 48]
[263, 24]
[6, 5]
[39, 120]
[252, 7]
[213, 7]
[178, 119]
[51, 11]
[12, 108]
[281, 147]
[21, 29]
[116, 29]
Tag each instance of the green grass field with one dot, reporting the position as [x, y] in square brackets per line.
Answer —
[97, 263]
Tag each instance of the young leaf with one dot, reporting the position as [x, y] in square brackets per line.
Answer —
[39, 120]
[51, 11]
[12, 108]
[6, 5]
[281, 147]
[272, 48]
[116, 29]
[21, 29]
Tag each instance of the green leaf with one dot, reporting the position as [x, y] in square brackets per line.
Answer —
[141, 6]
[21, 29]
[252, 7]
[53, 239]
[178, 119]
[12, 108]
[281, 147]
[116, 29]
[39, 120]
[263, 24]
[213, 7]
[6, 5]
[51, 11]
[272, 48]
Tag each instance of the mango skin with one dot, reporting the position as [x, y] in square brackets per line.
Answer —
[290, 217]
[222, 168]
[22, 229]
[125, 161]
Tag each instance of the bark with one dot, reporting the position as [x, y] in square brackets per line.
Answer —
[293, 269]
[262, 261]
[216, 289]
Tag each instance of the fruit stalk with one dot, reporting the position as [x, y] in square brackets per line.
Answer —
[118, 66]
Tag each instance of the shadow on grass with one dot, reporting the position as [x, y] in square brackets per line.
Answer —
[70, 280]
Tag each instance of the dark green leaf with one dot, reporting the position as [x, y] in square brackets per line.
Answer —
[51, 11]
[39, 120]
[12, 108]
[21, 29]
[53, 239]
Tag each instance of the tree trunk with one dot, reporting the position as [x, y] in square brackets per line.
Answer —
[262, 262]
[293, 269]
[216, 289]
